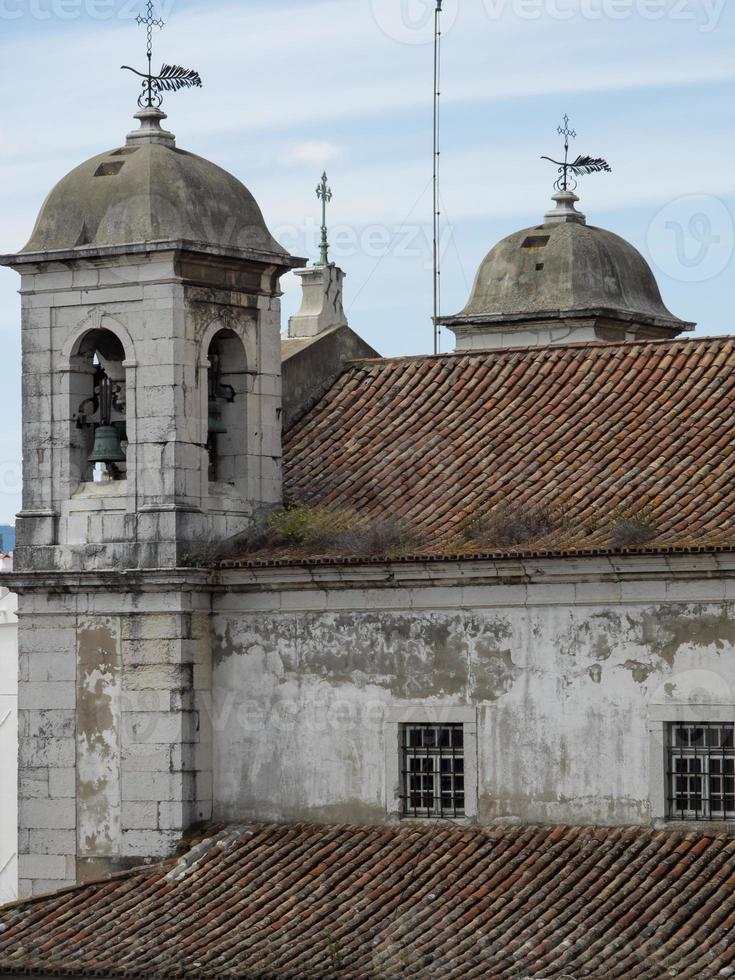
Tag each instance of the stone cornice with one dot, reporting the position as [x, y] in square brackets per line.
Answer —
[277, 259]
[715, 568]
[500, 319]
[490, 572]
[129, 580]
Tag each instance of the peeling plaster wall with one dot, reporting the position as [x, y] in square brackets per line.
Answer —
[562, 677]
[265, 694]
[99, 697]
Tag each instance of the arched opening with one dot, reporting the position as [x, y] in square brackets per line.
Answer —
[227, 435]
[98, 408]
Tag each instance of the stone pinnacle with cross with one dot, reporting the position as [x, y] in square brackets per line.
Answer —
[324, 193]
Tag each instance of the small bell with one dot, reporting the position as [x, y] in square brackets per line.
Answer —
[216, 425]
[106, 447]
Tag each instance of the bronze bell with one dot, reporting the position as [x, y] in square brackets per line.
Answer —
[216, 426]
[107, 448]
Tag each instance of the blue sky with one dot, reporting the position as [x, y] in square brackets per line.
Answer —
[294, 86]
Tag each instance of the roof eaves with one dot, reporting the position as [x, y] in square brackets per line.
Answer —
[494, 556]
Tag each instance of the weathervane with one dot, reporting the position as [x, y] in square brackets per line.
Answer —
[324, 193]
[171, 77]
[582, 165]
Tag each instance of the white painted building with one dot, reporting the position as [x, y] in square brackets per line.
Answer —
[8, 738]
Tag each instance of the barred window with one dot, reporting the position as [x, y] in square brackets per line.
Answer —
[432, 768]
[701, 771]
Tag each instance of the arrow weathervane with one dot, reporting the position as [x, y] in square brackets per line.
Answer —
[582, 165]
[171, 77]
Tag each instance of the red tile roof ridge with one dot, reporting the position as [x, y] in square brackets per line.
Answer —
[608, 345]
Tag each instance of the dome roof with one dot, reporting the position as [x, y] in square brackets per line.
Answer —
[565, 266]
[150, 191]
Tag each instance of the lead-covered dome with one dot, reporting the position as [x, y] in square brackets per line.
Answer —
[563, 271]
[150, 191]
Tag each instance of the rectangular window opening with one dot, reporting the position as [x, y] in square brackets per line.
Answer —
[109, 169]
[432, 771]
[535, 242]
[700, 774]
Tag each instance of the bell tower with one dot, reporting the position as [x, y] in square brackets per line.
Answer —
[151, 441]
[151, 324]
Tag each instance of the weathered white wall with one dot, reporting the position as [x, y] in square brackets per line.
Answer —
[562, 660]
[114, 751]
[8, 740]
[271, 693]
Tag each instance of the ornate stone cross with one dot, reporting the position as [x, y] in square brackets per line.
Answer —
[324, 193]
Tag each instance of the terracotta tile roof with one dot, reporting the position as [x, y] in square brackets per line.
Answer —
[595, 431]
[385, 903]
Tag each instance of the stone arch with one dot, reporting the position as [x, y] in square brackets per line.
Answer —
[96, 362]
[242, 326]
[97, 320]
[226, 377]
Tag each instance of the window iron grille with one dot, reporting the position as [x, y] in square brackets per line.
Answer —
[701, 771]
[432, 771]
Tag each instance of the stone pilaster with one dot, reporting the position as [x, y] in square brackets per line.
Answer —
[115, 728]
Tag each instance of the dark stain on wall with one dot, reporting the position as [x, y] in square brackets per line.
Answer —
[415, 656]
[669, 628]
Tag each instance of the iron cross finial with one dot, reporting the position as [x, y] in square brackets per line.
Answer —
[582, 165]
[150, 22]
[324, 193]
[566, 132]
[171, 78]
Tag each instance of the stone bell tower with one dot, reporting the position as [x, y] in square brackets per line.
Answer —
[151, 439]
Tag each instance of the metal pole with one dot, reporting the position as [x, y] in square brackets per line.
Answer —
[436, 155]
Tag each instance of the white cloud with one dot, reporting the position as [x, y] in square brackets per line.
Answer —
[314, 151]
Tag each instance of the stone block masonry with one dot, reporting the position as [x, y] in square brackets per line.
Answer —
[166, 504]
[115, 743]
